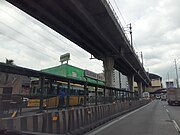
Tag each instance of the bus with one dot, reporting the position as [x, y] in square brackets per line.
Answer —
[76, 94]
[51, 94]
[146, 95]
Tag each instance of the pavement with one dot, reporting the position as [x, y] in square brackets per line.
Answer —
[156, 118]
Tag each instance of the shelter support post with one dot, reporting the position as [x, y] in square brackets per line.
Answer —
[42, 79]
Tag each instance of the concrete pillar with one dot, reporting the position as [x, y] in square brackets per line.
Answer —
[131, 82]
[108, 64]
[140, 88]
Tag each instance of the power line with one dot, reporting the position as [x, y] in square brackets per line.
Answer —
[42, 34]
[27, 46]
[39, 34]
[31, 39]
[120, 12]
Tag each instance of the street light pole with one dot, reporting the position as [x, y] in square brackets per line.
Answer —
[177, 80]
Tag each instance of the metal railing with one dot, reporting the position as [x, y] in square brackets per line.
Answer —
[12, 105]
[124, 31]
[118, 20]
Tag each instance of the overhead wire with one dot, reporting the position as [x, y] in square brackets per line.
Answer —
[120, 12]
[43, 35]
[31, 39]
[35, 22]
[27, 46]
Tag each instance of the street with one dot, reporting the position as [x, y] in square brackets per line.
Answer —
[156, 118]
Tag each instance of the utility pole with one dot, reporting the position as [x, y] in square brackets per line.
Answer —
[130, 28]
[177, 80]
[142, 58]
[168, 76]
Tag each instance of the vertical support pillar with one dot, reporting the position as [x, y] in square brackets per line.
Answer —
[104, 92]
[68, 94]
[144, 88]
[85, 93]
[42, 79]
[131, 82]
[96, 95]
[1, 111]
[50, 86]
[140, 89]
[108, 63]
[123, 96]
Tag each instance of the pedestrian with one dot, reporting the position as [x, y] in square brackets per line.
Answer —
[62, 95]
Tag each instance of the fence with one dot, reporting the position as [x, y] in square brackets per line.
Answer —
[71, 121]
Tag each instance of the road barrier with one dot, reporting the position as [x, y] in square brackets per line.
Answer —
[71, 121]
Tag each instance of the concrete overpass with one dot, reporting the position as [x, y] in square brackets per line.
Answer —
[92, 25]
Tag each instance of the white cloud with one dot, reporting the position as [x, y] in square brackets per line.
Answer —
[32, 44]
[156, 32]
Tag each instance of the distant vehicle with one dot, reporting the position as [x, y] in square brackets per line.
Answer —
[173, 96]
[146, 95]
[158, 97]
[163, 97]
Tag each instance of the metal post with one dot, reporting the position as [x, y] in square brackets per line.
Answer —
[68, 94]
[51, 86]
[85, 94]
[130, 28]
[142, 59]
[96, 95]
[1, 111]
[104, 95]
[177, 80]
[123, 96]
[110, 96]
[42, 78]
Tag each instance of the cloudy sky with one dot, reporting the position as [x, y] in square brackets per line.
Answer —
[156, 32]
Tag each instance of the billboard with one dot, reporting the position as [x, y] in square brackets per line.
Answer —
[169, 84]
[65, 57]
[90, 74]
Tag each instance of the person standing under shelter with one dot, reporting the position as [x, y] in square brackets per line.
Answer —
[62, 95]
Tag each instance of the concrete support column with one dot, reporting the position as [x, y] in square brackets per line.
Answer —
[108, 64]
[131, 82]
[140, 88]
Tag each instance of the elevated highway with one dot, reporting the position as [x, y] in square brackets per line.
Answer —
[93, 26]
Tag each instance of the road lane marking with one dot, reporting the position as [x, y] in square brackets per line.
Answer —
[174, 122]
[167, 110]
[176, 126]
[113, 122]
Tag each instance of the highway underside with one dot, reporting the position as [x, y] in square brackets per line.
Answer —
[156, 118]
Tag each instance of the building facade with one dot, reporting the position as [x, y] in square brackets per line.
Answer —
[156, 83]
[119, 80]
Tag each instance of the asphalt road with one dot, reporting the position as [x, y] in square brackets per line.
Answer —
[156, 118]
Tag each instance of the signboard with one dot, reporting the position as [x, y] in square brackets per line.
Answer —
[170, 84]
[101, 77]
[65, 57]
[90, 74]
